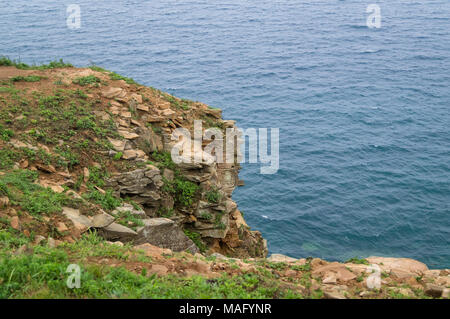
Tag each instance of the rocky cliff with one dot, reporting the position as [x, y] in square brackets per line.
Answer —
[104, 141]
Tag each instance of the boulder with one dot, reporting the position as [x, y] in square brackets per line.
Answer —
[81, 222]
[163, 232]
[118, 145]
[118, 232]
[336, 270]
[128, 135]
[434, 290]
[399, 267]
[102, 220]
[112, 92]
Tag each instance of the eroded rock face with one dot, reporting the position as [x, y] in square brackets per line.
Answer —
[217, 220]
[163, 232]
[141, 185]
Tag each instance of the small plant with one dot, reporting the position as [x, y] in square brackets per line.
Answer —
[86, 80]
[360, 261]
[115, 76]
[305, 267]
[97, 176]
[127, 219]
[86, 122]
[164, 159]
[117, 156]
[183, 190]
[5, 134]
[107, 200]
[213, 196]
[206, 216]
[97, 68]
[7, 158]
[165, 212]
[196, 238]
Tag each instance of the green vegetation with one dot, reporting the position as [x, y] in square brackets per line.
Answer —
[209, 122]
[29, 78]
[5, 134]
[20, 188]
[213, 195]
[43, 274]
[164, 159]
[196, 238]
[117, 156]
[97, 176]
[165, 212]
[184, 191]
[115, 76]
[178, 103]
[127, 219]
[4, 61]
[305, 267]
[86, 80]
[356, 260]
[107, 200]
[97, 68]
[7, 158]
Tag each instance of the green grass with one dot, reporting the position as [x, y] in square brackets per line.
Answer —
[183, 104]
[43, 275]
[127, 219]
[86, 80]
[4, 61]
[7, 158]
[29, 78]
[184, 191]
[115, 76]
[108, 201]
[5, 134]
[97, 68]
[196, 238]
[360, 261]
[20, 188]
[117, 156]
[164, 159]
[213, 196]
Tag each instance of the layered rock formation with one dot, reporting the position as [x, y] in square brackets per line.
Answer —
[127, 132]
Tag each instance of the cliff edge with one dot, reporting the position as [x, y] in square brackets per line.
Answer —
[87, 179]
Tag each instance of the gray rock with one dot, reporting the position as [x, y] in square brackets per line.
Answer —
[102, 220]
[81, 222]
[163, 232]
[168, 174]
[212, 229]
[116, 231]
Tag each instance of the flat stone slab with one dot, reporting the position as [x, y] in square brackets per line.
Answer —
[119, 232]
[164, 233]
[80, 222]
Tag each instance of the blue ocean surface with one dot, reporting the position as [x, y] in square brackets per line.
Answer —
[364, 114]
